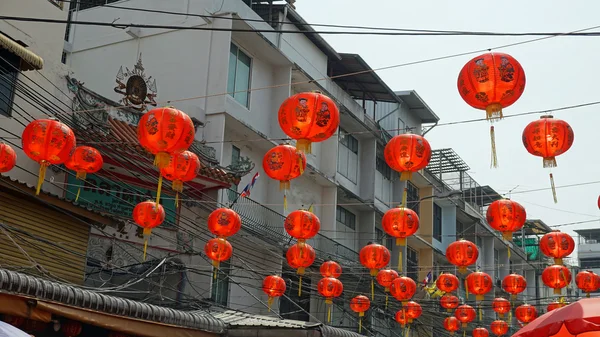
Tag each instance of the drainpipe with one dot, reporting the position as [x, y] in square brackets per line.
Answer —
[280, 26]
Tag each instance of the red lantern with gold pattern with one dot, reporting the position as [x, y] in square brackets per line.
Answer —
[480, 332]
[48, 142]
[302, 225]
[308, 117]
[462, 253]
[451, 324]
[218, 250]
[465, 314]
[401, 317]
[526, 313]
[330, 288]
[330, 269]
[506, 216]
[587, 281]
[84, 160]
[8, 158]
[71, 328]
[514, 284]
[449, 302]
[300, 257]
[403, 288]
[374, 257]
[479, 283]
[501, 306]
[407, 153]
[556, 277]
[491, 82]
[385, 278]
[148, 215]
[555, 305]
[499, 328]
[548, 138]
[15, 321]
[413, 310]
[183, 166]
[224, 222]
[284, 163]
[360, 304]
[274, 286]
[165, 132]
[557, 245]
[447, 282]
[400, 223]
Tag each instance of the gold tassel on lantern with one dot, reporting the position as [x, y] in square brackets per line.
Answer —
[215, 269]
[466, 290]
[494, 163]
[553, 188]
[494, 112]
[300, 166]
[360, 316]
[284, 202]
[400, 259]
[329, 303]
[81, 175]
[177, 186]
[159, 189]
[270, 303]
[41, 176]
[300, 272]
[147, 232]
[304, 145]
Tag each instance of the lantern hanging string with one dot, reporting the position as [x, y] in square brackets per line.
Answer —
[494, 163]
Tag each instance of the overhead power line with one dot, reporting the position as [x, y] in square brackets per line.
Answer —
[179, 27]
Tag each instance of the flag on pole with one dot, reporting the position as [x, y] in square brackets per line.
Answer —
[246, 191]
[427, 279]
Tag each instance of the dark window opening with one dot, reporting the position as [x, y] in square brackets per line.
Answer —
[437, 222]
[412, 197]
[9, 65]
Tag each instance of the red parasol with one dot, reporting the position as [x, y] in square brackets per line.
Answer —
[581, 319]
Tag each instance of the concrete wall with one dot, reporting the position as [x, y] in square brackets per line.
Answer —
[448, 228]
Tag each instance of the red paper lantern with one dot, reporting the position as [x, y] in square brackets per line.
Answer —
[407, 153]
[330, 269]
[85, 160]
[491, 82]
[302, 225]
[555, 305]
[218, 250]
[274, 286]
[183, 166]
[71, 328]
[48, 142]
[451, 324]
[400, 223]
[308, 117]
[300, 257]
[514, 284]
[499, 327]
[556, 277]
[465, 314]
[164, 132]
[330, 287]
[360, 304]
[447, 282]
[402, 317]
[462, 253]
[557, 245]
[525, 313]
[413, 310]
[403, 288]
[449, 302]
[548, 138]
[587, 281]
[374, 257]
[480, 332]
[501, 306]
[224, 222]
[479, 283]
[506, 216]
[8, 158]
[284, 163]
[385, 278]
[15, 321]
[148, 215]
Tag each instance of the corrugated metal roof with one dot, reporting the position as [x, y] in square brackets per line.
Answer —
[21, 284]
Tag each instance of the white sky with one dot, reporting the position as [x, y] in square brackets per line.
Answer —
[560, 71]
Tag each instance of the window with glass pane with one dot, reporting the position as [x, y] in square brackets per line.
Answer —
[238, 79]
[348, 156]
[412, 197]
[437, 222]
[497, 262]
[220, 285]
[9, 63]
[412, 264]
[381, 165]
[235, 157]
[345, 217]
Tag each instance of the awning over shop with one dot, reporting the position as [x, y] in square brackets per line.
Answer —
[29, 60]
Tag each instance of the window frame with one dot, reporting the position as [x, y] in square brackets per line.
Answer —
[412, 264]
[11, 66]
[221, 297]
[341, 211]
[437, 222]
[351, 144]
[412, 197]
[250, 66]
[233, 190]
[380, 164]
